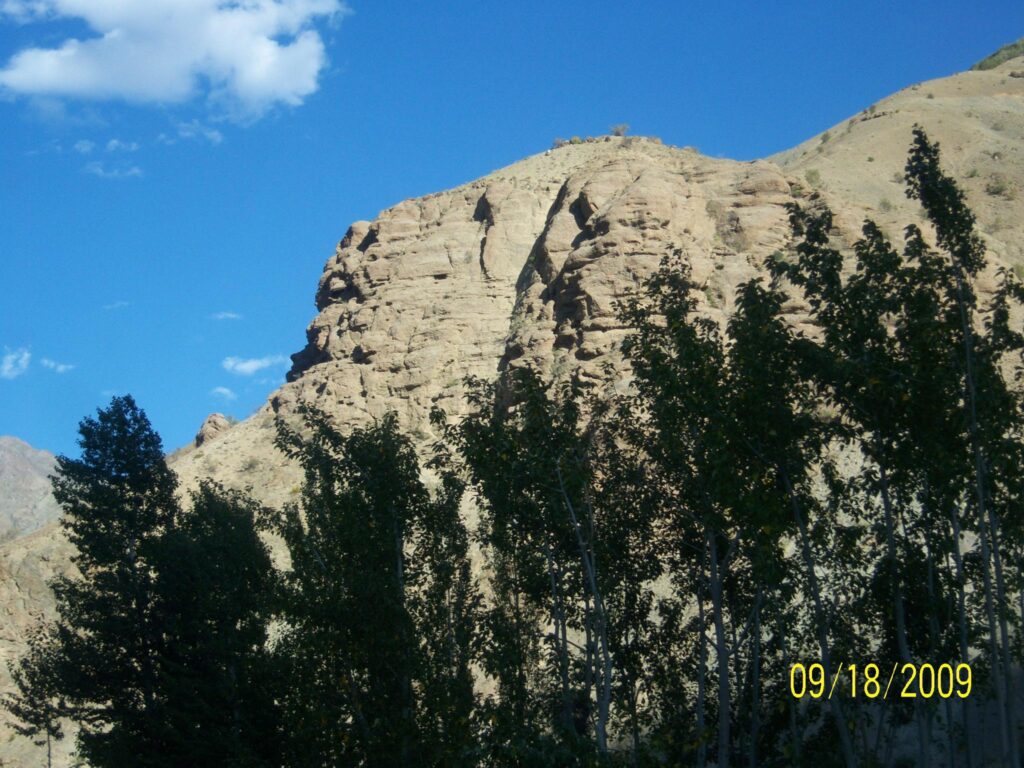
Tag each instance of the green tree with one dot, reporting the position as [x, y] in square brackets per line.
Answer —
[988, 409]
[377, 605]
[917, 374]
[37, 706]
[571, 562]
[446, 610]
[678, 360]
[215, 587]
[781, 441]
[348, 642]
[118, 500]
[157, 652]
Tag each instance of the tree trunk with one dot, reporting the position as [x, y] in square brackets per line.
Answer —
[561, 638]
[755, 698]
[794, 727]
[986, 517]
[890, 546]
[1004, 638]
[821, 620]
[961, 581]
[601, 621]
[702, 670]
[999, 677]
[722, 654]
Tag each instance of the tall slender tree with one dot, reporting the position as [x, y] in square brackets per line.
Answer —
[37, 705]
[678, 359]
[214, 587]
[526, 453]
[118, 500]
[378, 610]
[348, 641]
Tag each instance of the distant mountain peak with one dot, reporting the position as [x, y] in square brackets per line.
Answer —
[26, 501]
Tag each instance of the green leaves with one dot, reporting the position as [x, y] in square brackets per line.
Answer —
[379, 607]
[157, 650]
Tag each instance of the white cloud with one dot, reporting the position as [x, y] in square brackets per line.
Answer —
[116, 145]
[247, 367]
[116, 305]
[196, 130]
[15, 363]
[100, 170]
[244, 57]
[56, 367]
[191, 131]
[226, 316]
[23, 10]
[84, 146]
[51, 110]
[223, 392]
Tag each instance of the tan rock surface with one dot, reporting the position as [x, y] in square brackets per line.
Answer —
[524, 267]
[26, 502]
[215, 425]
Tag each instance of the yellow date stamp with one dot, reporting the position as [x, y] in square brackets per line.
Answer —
[870, 681]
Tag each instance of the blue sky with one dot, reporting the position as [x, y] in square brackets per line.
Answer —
[174, 173]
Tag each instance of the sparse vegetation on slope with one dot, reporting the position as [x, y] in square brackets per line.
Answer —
[1007, 52]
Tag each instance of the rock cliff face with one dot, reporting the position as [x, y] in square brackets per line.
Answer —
[524, 266]
[25, 499]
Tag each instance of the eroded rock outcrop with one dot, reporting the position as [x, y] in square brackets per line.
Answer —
[523, 267]
[215, 425]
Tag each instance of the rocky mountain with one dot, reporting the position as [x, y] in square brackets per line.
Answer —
[29, 558]
[524, 266]
[25, 499]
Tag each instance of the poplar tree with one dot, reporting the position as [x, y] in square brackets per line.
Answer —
[215, 586]
[37, 704]
[525, 453]
[918, 373]
[781, 441]
[377, 606]
[987, 407]
[681, 397]
[348, 644]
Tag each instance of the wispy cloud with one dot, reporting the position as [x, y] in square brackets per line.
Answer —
[196, 130]
[14, 363]
[103, 171]
[54, 111]
[226, 316]
[116, 305]
[242, 57]
[51, 147]
[247, 367]
[116, 145]
[84, 146]
[191, 131]
[223, 392]
[56, 367]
